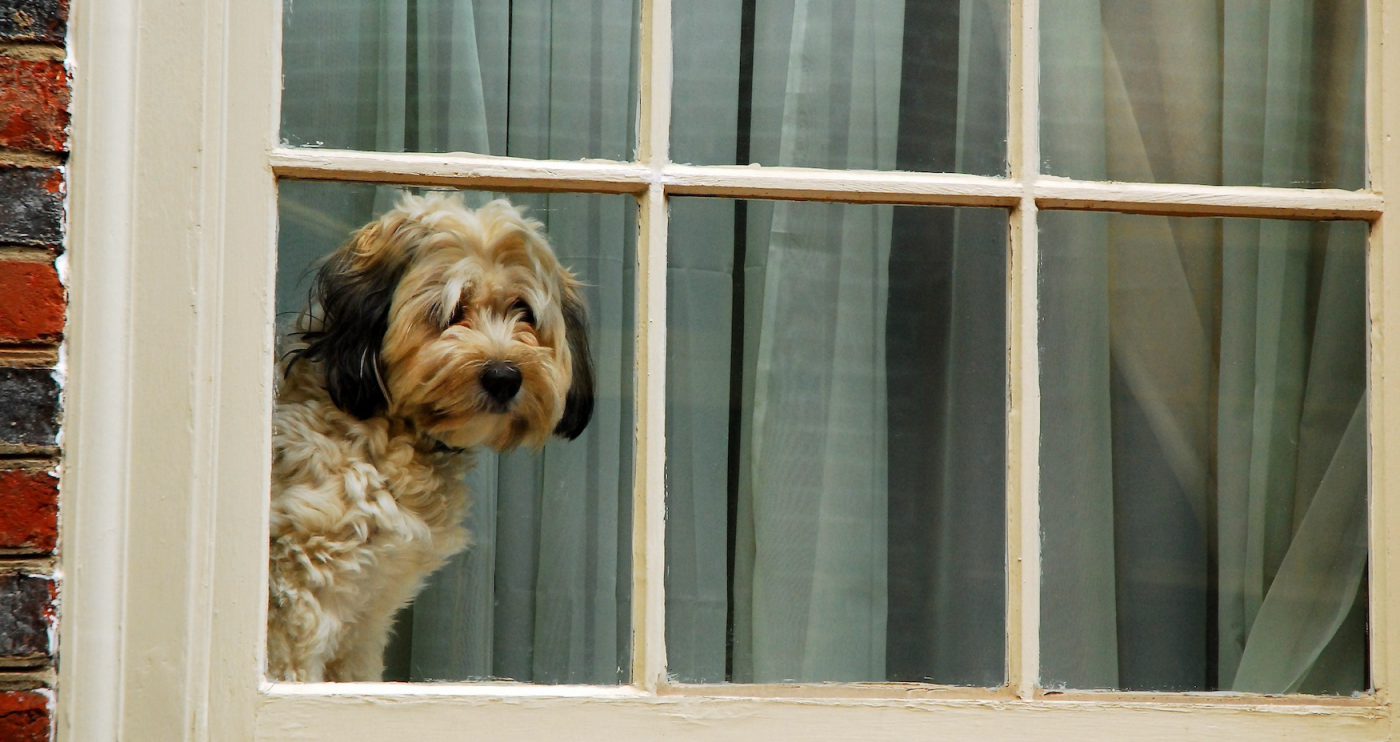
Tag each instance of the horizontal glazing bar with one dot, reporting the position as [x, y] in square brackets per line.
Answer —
[507, 173]
[1198, 200]
[859, 186]
[460, 171]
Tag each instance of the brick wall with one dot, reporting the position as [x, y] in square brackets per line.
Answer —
[34, 101]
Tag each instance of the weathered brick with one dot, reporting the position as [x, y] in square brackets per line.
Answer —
[31, 205]
[24, 716]
[33, 20]
[34, 301]
[34, 100]
[26, 613]
[28, 510]
[28, 406]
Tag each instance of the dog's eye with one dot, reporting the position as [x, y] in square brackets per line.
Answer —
[527, 315]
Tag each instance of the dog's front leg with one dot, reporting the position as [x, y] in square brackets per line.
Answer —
[360, 656]
[300, 638]
[304, 624]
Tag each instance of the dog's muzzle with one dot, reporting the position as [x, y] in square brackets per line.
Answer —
[501, 382]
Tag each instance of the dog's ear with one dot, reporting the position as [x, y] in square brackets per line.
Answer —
[354, 290]
[578, 402]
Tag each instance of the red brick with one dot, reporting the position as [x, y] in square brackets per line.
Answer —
[34, 99]
[34, 104]
[34, 303]
[24, 716]
[28, 510]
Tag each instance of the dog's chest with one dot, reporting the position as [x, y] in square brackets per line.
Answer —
[431, 495]
[354, 489]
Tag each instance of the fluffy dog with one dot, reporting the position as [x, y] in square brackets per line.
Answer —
[435, 330]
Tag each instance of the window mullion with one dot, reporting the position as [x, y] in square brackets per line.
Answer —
[1023, 429]
[649, 494]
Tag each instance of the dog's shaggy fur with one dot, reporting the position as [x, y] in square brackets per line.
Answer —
[436, 329]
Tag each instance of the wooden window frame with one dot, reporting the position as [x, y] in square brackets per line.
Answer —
[172, 253]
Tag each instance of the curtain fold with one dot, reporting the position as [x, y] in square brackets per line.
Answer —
[815, 477]
[1078, 531]
[700, 290]
[821, 336]
[1235, 417]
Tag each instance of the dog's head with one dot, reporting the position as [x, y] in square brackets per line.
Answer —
[463, 322]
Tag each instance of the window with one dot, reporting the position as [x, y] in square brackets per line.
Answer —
[1050, 299]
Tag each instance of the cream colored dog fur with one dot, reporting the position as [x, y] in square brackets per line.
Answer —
[435, 330]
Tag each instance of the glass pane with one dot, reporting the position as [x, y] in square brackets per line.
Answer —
[876, 84]
[1218, 92]
[543, 594]
[835, 436]
[1203, 463]
[526, 78]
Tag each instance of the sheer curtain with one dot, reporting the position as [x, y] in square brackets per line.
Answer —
[1205, 424]
[812, 476]
[544, 593]
[1204, 466]
[851, 512]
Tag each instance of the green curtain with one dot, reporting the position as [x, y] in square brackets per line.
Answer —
[794, 397]
[544, 594]
[1204, 468]
[1203, 462]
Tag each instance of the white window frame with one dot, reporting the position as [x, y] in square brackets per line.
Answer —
[172, 255]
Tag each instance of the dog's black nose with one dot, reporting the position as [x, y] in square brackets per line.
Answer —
[501, 381]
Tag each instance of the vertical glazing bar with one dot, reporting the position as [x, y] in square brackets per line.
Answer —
[655, 100]
[1383, 314]
[1023, 428]
[649, 496]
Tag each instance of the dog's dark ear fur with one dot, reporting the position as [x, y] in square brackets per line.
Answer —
[578, 403]
[354, 289]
